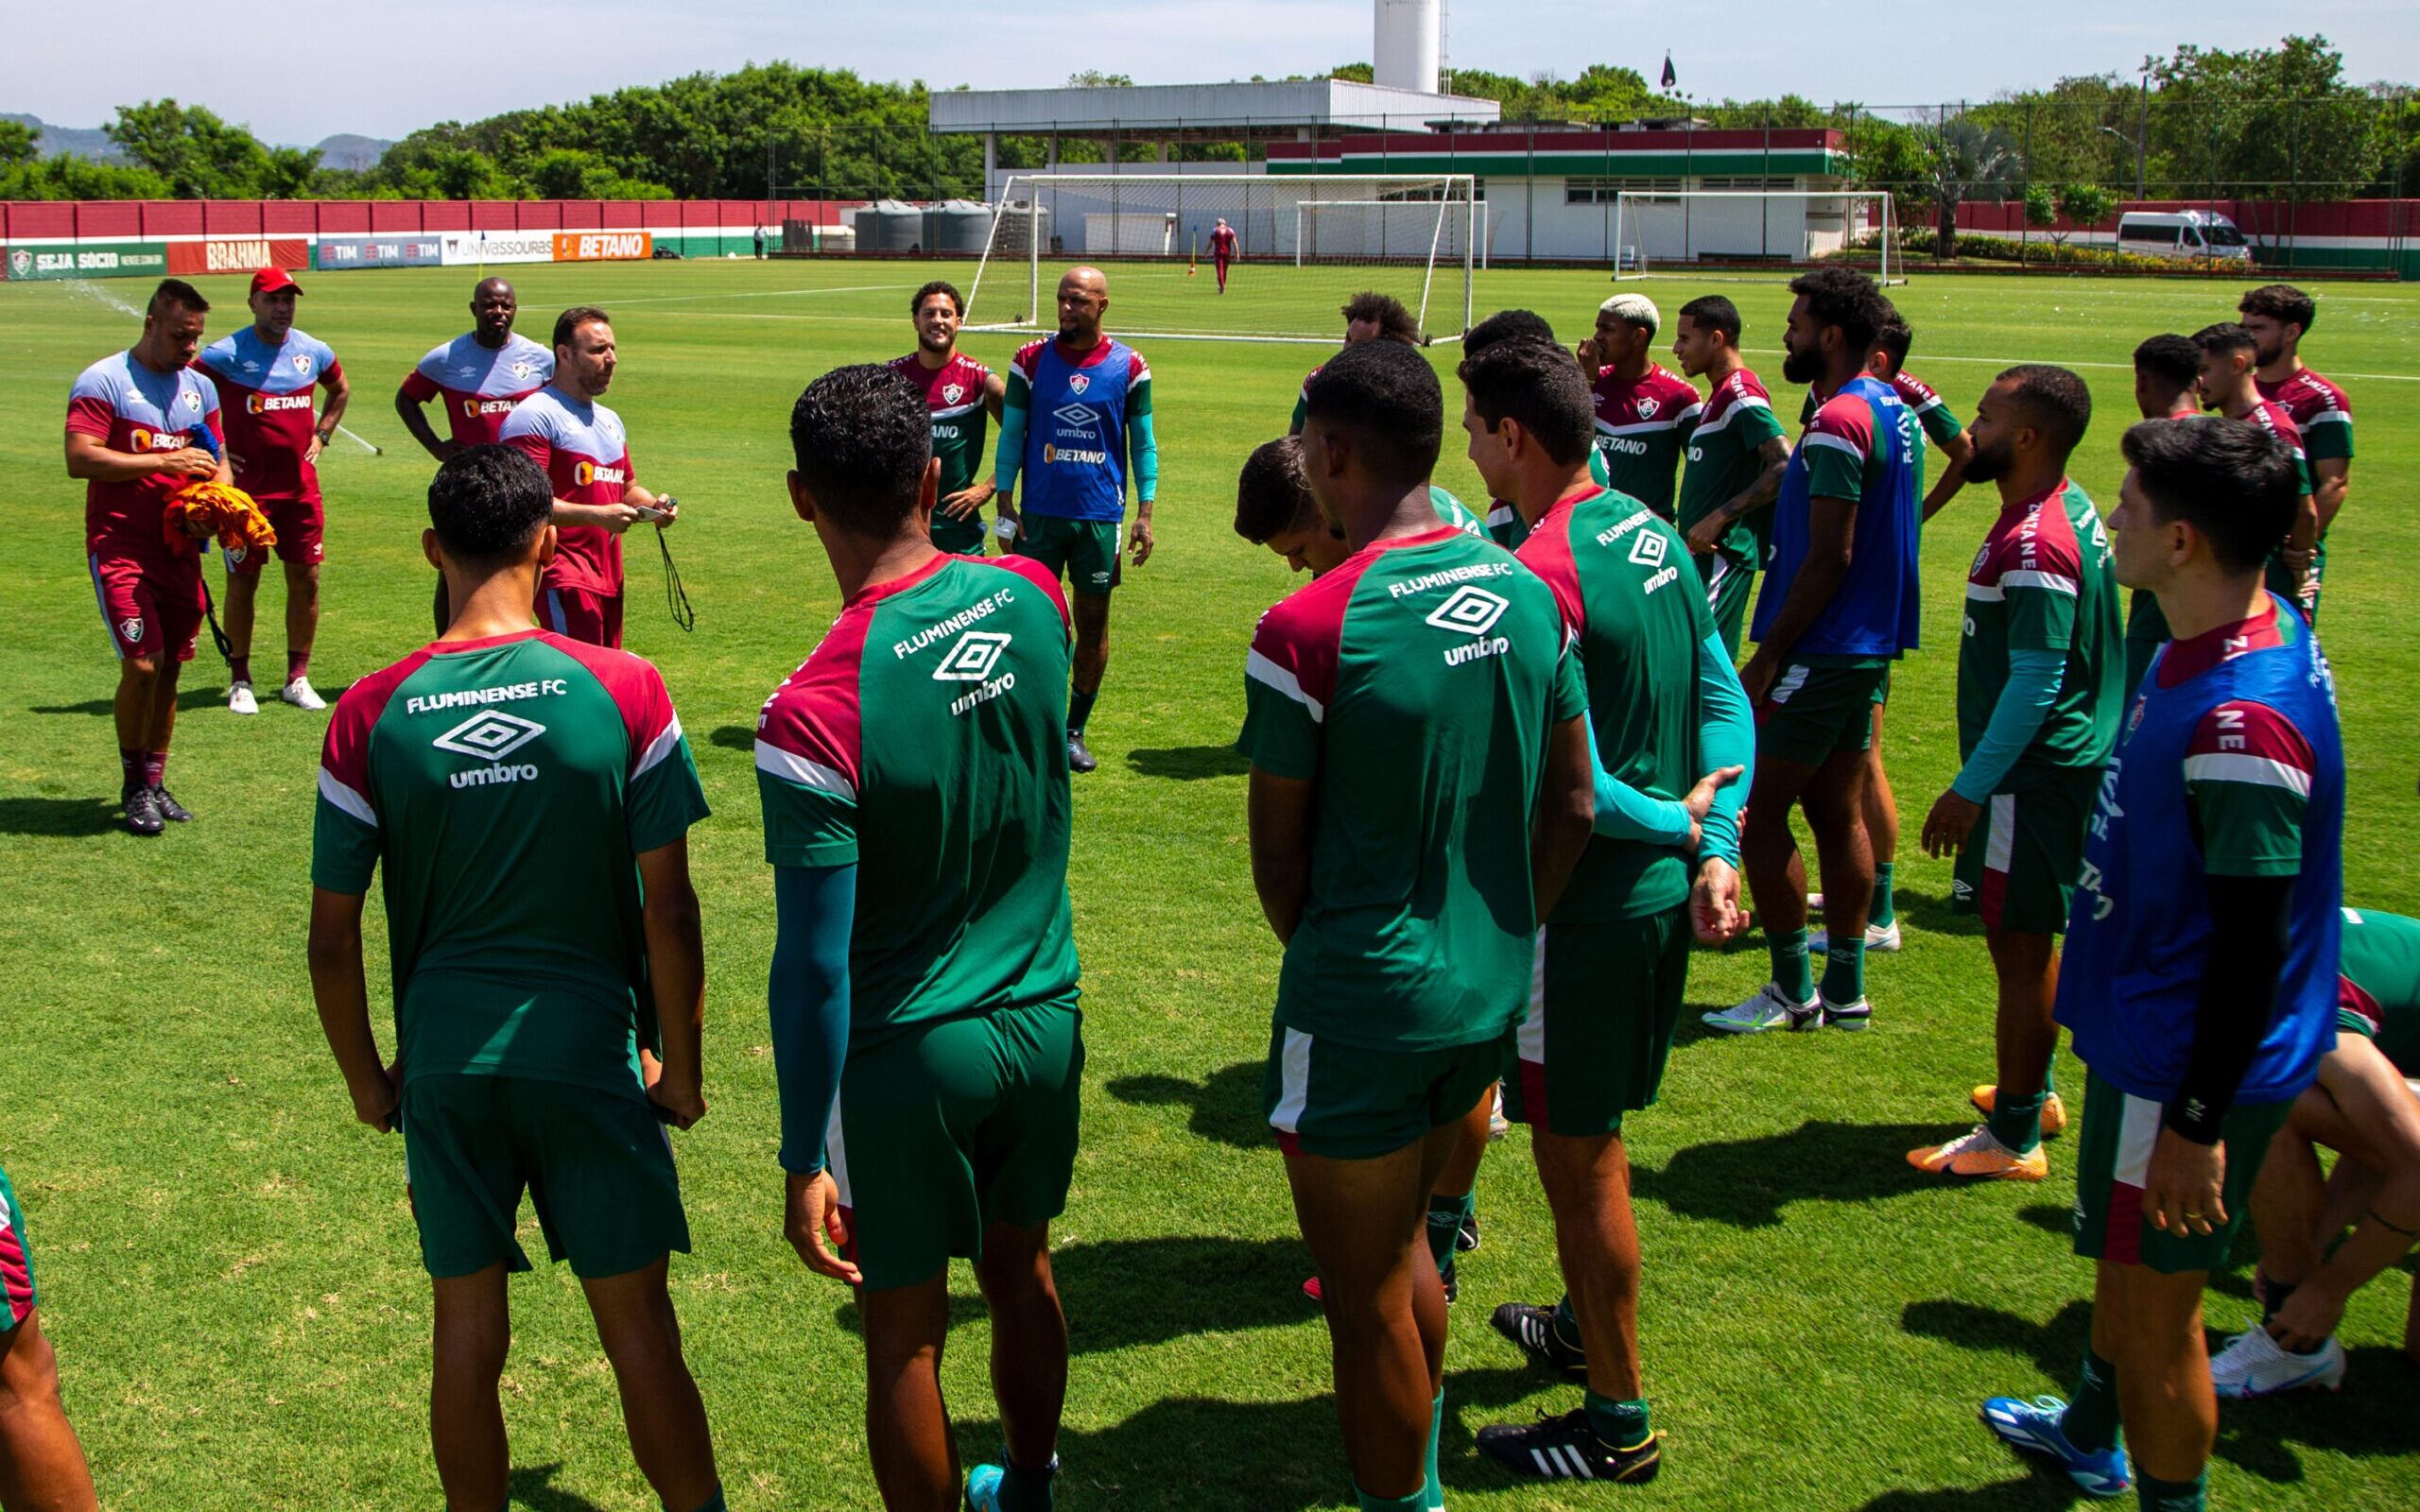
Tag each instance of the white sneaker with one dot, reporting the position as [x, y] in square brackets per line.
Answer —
[1498, 1125]
[240, 699]
[2252, 1365]
[1882, 938]
[1771, 1008]
[298, 693]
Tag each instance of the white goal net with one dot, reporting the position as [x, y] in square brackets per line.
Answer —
[1750, 234]
[1304, 246]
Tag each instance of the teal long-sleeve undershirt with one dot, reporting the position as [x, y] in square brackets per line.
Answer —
[1143, 455]
[1726, 737]
[807, 995]
[1008, 459]
[2024, 701]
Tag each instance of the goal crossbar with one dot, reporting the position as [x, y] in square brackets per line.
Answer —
[1656, 229]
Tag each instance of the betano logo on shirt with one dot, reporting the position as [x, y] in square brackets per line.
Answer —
[588, 472]
[269, 404]
[474, 408]
[490, 736]
[1065, 453]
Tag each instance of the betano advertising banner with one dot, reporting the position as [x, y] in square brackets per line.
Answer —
[603, 245]
[88, 260]
[462, 248]
[416, 251]
[238, 254]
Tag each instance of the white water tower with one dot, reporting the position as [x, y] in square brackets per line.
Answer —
[1407, 48]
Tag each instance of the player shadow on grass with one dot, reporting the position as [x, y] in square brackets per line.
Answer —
[1926, 914]
[2048, 1490]
[1226, 1107]
[189, 697]
[63, 816]
[530, 1486]
[1188, 764]
[734, 737]
[1747, 1182]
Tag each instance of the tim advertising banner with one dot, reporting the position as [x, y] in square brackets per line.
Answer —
[460, 248]
[238, 254]
[603, 245]
[89, 260]
[416, 251]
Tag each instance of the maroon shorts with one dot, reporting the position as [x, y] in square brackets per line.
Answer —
[595, 618]
[152, 608]
[299, 524]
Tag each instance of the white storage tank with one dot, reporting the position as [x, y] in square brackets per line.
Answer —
[1408, 45]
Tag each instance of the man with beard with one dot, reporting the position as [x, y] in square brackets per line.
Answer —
[2230, 387]
[959, 394]
[2278, 316]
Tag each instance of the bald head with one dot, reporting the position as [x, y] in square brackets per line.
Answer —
[492, 307]
[1083, 298]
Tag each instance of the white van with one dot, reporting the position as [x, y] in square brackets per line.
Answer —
[2180, 234]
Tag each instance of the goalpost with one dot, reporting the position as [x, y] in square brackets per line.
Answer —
[1748, 233]
[1304, 245]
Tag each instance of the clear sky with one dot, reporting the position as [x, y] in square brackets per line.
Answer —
[382, 69]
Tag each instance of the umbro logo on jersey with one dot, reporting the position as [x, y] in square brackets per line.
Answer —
[1081, 416]
[1469, 611]
[1648, 549]
[250, 366]
[490, 735]
[972, 658]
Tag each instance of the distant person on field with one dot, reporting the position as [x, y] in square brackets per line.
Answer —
[960, 393]
[142, 424]
[760, 243]
[1222, 250]
[2279, 315]
[42, 1465]
[528, 799]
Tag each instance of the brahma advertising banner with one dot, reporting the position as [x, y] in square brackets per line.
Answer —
[460, 248]
[419, 249]
[238, 254]
[87, 260]
[603, 245]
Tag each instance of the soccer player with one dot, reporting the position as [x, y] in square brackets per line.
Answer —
[529, 799]
[2199, 985]
[924, 989]
[586, 454]
[1505, 526]
[1839, 607]
[2279, 315]
[1737, 456]
[959, 394]
[2228, 385]
[142, 424]
[1222, 250]
[1368, 316]
[481, 376]
[1077, 417]
[1419, 792]
[264, 374]
[2038, 669]
[2366, 1107]
[2168, 371]
[1612, 958]
[1644, 412]
[42, 1464]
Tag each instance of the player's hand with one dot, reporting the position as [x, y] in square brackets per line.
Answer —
[650, 1069]
[1700, 797]
[1951, 820]
[312, 449]
[1708, 534]
[447, 451]
[188, 462]
[813, 1225]
[967, 503]
[1714, 902]
[375, 1101]
[681, 1098]
[1143, 540]
[2182, 1190]
[1757, 679]
[2307, 1318]
[614, 517]
[1587, 354]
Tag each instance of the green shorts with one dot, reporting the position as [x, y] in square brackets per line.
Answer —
[1729, 586]
[960, 538]
[2119, 1132]
[1350, 1103]
[1086, 551]
[1815, 709]
[2019, 865]
[18, 1297]
[946, 1129]
[598, 1166]
[1604, 999]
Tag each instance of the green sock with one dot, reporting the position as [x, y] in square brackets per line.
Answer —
[2049, 1079]
[1024, 1490]
[1079, 707]
[2016, 1121]
[1566, 1324]
[1621, 1424]
[1879, 913]
[1792, 972]
[1416, 1501]
[2173, 1496]
[1844, 970]
[1432, 1493]
[2090, 1421]
[711, 1504]
[1445, 1218]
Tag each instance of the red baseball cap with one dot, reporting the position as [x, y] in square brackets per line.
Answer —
[270, 280]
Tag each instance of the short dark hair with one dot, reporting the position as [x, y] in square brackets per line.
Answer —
[1507, 325]
[2053, 399]
[175, 293]
[1387, 312]
[1845, 298]
[2223, 337]
[2282, 302]
[2229, 479]
[568, 323]
[1715, 312]
[938, 285]
[1388, 396]
[2170, 356]
[488, 503]
[860, 436]
[1893, 339]
[1272, 491]
[1538, 386]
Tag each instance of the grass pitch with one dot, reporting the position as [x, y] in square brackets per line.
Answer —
[228, 1263]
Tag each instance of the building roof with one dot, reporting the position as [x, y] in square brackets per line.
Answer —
[1817, 152]
[1179, 111]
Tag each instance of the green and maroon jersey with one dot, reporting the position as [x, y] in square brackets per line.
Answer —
[953, 395]
[1630, 603]
[924, 742]
[1733, 427]
[1642, 424]
[2321, 412]
[1505, 526]
[2272, 416]
[505, 788]
[1454, 512]
[2378, 984]
[1415, 685]
[2042, 582]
